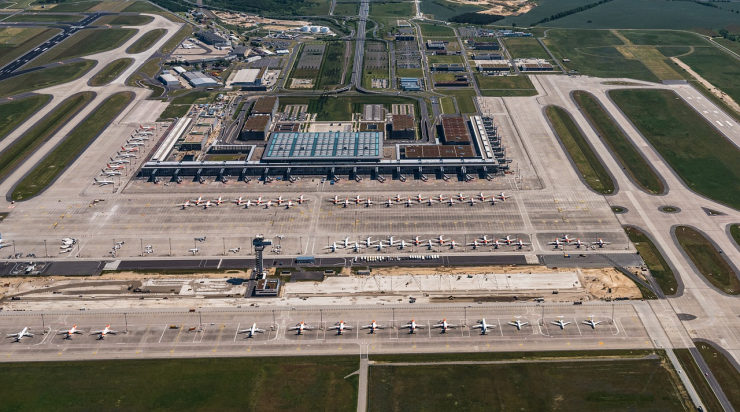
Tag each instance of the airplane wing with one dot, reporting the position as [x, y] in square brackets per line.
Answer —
[331, 327]
[420, 326]
[348, 327]
[478, 326]
[294, 328]
[12, 335]
[96, 332]
[28, 334]
[259, 330]
[408, 325]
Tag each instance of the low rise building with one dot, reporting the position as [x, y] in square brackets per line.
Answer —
[447, 67]
[493, 67]
[533, 65]
[256, 127]
[436, 44]
[265, 105]
[402, 127]
[485, 45]
[247, 77]
[455, 130]
[411, 84]
[169, 80]
[198, 79]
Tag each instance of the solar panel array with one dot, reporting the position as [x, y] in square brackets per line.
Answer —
[324, 146]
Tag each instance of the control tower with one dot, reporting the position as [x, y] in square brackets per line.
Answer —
[259, 243]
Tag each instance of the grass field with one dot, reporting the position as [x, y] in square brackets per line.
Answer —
[124, 20]
[45, 77]
[664, 38]
[20, 149]
[83, 43]
[347, 9]
[632, 162]
[448, 105]
[654, 260]
[330, 73]
[70, 148]
[392, 9]
[735, 233]
[45, 18]
[725, 373]
[525, 47]
[14, 112]
[172, 43]
[110, 72]
[732, 45]
[706, 394]
[71, 6]
[710, 263]
[444, 10]
[464, 98]
[505, 85]
[706, 161]
[444, 59]
[218, 384]
[587, 162]
[333, 108]
[195, 97]
[717, 67]
[635, 385]
[146, 41]
[436, 30]
[593, 52]
[497, 356]
[174, 110]
[15, 41]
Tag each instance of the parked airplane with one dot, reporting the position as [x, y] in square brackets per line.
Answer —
[20, 335]
[483, 197]
[109, 173]
[460, 197]
[600, 242]
[392, 241]
[502, 196]
[129, 149]
[207, 204]
[520, 244]
[475, 244]
[402, 244]
[408, 202]
[483, 326]
[335, 200]
[368, 202]
[251, 331]
[300, 199]
[69, 332]
[453, 244]
[125, 155]
[444, 325]
[416, 241]
[419, 198]
[560, 323]
[358, 199]
[134, 143]
[578, 243]
[280, 200]
[146, 127]
[332, 247]
[369, 242]
[440, 198]
[102, 333]
[340, 327]
[300, 327]
[103, 182]
[556, 243]
[590, 322]
[199, 201]
[238, 201]
[441, 240]
[518, 324]
[380, 246]
[450, 202]
[412, 326]
[373, 326]
[508, 240]
[194, 251]
[289, 204]
[388, 203]
[397, 198]
[566, 238]
[218, 201]
[185, 205]
[356, 247]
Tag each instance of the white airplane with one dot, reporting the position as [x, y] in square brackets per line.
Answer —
[102, 333]
[566, 239]
[218, 201]
[69, 332]
[103, 182]
[289, 204]
[369, 242]
[560, 323]
[280, 201]
[430, 201]
[441, 240]
[207, 204]
[300, 199]
[20, 335]
[402, 244]
[194, 251]
[134, 143]
[251, 331]
[380, 246]
[483, 197]
[450, 202]
[373, 326]
[453, 244]
[408, 202]
[388, 203]
[508, 239]
[416, 241]
[300, 327]
[502, 196]
[412, 326]
[146, 127]
[356, 247]
[557, 243]
[590, 322]
[104, 172]
[185, 205]
[518, 324]
[600, 242]
[125, 155]
[444, 325]
[345, 242]
[340, 327]
[238, 201]
[397, 198]
[335, 200]
[483, 326]
[368, 202]
[235, 249]
[392, 241]
[430, 244]
[440, 198]
[486, 240]
[419, 198]
[472, 201]
[333, 247]
[358, 199]
[129, 149]
[578, 243]
[475, 244]
[120, 161]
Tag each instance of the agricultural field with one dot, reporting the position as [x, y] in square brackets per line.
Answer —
[45, 77]
[217, 384]
[654, 260]
[704, 159]
[723, 370]
[146, 41]
[663, 38]
[23, 147]
[83, 43]
[14, 112]
[340, 108]
[110, 72]
[588, 164]
[445, 59]
[710, 263]
[392, 9]
[505, 85]
[15, 41]
[70, 148]
[436, 30]
[625, 153]
[529, 386]
[525, 47]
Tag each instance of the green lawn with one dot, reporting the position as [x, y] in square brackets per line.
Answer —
[448, 105]
[14, 41]
[218, 384]
[111, 71]
[525, 355]
[392, 9]
[436, 30]
[45, 77]
[592, 52]
[706, 394]
[124, 20]
[710, 263]
[444, 59]
[587, 162]
[635, 385]
[654, 260]
[71, 147]
[717, 67]
[505, 85]
[146, 41]
[631, 160]
[464, 98]
[174, 110]
[17, 152]
[195, 96]
[142, 7]
[83, 43]
[72, 6]
[330, 73]
[340, 108]
[706, 161]
[14, 112]
[45, 18]
[525, 47]
[347, 9]
[735, 232]
[724, 371]
[664, 38]
[171, 44]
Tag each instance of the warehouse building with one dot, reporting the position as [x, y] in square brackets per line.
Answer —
[247, 78]
[256, 127]
[455, 130]
[492, 67]
[447, 67]
[324, 146]
[169, 80]
[436, 44]
[198, 79]
[488, 56]
[212, 38]
[533, 65]
[485, 45]
[402, 127]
